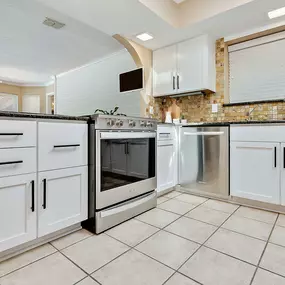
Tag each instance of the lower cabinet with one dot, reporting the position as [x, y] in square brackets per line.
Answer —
[165, 166]
[255, 171]
[18, 218]
[62, 199]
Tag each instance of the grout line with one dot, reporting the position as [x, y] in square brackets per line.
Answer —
[80, 280]
[199, 247]
[267, 242]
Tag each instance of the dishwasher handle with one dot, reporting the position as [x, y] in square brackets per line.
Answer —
[204, 134]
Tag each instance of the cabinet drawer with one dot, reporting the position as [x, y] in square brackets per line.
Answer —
[258, 133]
[17, 133]
[62, 145]
[17, 161]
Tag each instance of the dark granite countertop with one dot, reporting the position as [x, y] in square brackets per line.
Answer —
[41, 116]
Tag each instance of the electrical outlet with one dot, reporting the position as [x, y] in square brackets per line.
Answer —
[151, 110]
[214, 108]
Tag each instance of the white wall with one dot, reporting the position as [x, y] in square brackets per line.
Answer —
[83, 90]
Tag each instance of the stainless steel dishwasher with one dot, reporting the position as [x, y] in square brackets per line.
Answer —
[204, 160]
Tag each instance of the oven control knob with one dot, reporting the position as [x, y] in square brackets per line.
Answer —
[132, 123]
[110, 122]
[143, 124]
[149, 124]
[121, 123]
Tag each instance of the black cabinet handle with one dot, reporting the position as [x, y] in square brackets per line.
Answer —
[173, 82]
[283, 157]
[44, 193]
[33, 195]
[11, 134]
[66, 145]
[178, 83]
[275, 158]
[11, 162]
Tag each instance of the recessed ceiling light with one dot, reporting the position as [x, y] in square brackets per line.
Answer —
[145, 37]
[276, 13]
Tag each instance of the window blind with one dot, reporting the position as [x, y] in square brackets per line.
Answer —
[257, 69]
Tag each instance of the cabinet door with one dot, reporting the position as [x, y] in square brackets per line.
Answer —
[138, 160]
[164, 71]
[255, 171]
[62, 199]
[165, 167]
[18, 219]
[119, 157]
[190, 65]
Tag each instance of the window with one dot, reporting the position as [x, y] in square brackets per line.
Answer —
[257, 69]
[8, 102]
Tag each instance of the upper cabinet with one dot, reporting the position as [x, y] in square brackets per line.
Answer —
[185, 67]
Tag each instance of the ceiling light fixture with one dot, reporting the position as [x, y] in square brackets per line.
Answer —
[144, 37]
[276, 13]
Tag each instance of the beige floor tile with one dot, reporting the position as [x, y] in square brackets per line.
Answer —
[168, 248]
[237, 245]
[54, 269]
[248, 227]
[281, 220]
[92, 253]
[264, 277]
[133, 268]
[87, 281]
[191, 229]
[158, 218]
[213, 268]
[256, 214]
[172, 194]
[132, 232]
[71, 239]
[207, 215]
[161, 200]
[194, 200]
[274, 259]
[176, 206]
[220, 206]
[278, 236]
[25, 258]
[179, 279]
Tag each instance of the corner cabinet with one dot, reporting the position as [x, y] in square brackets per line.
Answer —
[185, 67]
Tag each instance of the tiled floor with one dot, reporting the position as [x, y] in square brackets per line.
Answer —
[186, 240]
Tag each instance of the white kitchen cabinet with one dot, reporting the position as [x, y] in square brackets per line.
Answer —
[119, 157]
[186, 67]
[164, 71]
[166, 166]
[255, 171]
[62, 199]
[18, 218]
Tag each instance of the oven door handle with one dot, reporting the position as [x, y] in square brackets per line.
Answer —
[127, 135]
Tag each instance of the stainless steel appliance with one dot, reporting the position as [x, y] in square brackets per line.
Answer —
[204, 160]
[122, 169]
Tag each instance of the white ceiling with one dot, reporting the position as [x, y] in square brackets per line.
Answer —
[31, 52]
[131, 17]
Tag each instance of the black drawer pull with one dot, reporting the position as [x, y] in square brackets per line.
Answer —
[11, 134]
[11, 162]
[44, 193]
[33, 196]
[66, 145]
[283, 157]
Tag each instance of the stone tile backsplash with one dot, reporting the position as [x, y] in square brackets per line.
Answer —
[198, 108]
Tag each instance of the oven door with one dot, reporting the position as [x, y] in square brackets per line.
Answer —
[125, 166]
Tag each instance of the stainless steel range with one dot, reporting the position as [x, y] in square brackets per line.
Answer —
[122, 169]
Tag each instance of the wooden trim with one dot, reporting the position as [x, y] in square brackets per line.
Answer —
[226, 75]
[256, 35]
